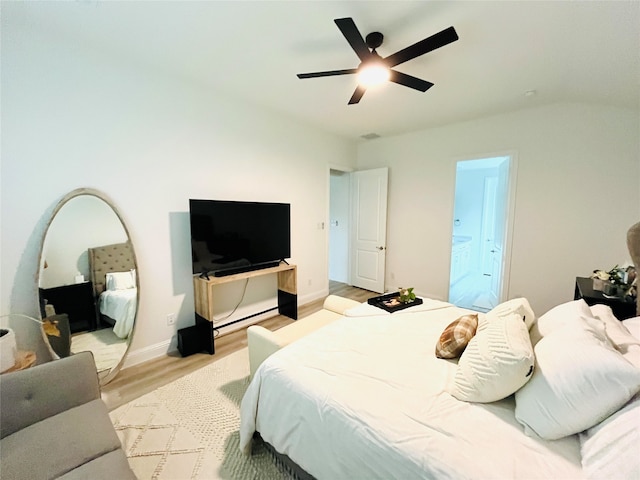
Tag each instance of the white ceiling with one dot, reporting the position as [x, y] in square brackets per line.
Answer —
[564, 50]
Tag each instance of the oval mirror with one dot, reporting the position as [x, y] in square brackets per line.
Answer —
[88, 284]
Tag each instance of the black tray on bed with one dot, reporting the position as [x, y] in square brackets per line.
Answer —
[383, 302]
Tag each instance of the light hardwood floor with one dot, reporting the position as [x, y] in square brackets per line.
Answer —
[138, 380]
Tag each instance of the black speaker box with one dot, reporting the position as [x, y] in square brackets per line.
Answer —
[192, 340]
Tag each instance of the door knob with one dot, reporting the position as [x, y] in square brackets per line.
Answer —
[380, 248]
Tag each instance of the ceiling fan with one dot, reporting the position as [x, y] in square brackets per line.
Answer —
[379, 67]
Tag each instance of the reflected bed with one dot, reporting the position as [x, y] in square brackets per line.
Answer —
[113, 277]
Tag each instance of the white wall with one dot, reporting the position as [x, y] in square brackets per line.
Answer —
[75, 118]
[577, 194]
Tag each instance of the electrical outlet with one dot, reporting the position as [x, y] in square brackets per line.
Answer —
[171, 319]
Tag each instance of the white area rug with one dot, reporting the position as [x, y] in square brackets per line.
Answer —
[188, 429]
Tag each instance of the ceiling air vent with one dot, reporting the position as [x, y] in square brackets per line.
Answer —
[370, 136]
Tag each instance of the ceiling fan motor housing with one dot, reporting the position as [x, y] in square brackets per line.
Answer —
[374, 40]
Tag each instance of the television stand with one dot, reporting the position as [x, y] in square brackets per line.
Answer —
[287, 294]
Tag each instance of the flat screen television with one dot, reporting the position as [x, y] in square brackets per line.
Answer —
[230, 237]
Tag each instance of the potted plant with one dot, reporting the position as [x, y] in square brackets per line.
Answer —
[407, 295]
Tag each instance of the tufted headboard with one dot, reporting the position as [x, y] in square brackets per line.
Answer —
[117, 257]
[633, 243]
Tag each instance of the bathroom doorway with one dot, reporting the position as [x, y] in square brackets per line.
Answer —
[480, 241]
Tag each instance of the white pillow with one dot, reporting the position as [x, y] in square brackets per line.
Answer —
[580, 380]
[621, 338]
[610, 449]
[633, 325]
[497, 361]
[559, 316]
[120, 280]
[517, 305]
[616, 331]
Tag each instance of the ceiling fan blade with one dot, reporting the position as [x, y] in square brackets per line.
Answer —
[409, 81]
[357, 95]
[348, 28]
[440, 39]
[330, 73]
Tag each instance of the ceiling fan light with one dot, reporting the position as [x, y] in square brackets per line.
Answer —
[373, 75]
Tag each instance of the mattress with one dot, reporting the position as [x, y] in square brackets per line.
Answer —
[364, 397]
[121, 306]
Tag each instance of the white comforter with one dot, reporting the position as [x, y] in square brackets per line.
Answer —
[121, 306]
[364, 397]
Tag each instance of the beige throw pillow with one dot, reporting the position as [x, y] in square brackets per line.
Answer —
[517, 305]
[456, 336]
[497, 362]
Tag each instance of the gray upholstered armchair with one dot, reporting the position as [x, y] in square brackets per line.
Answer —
[53, 424]
[633, 242]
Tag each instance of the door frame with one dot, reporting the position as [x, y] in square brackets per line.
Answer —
[327, 230]
[505, 280]
[327, 224]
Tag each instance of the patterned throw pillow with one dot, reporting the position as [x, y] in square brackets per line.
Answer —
[456, 336]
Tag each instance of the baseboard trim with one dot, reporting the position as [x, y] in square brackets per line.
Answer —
[141, 355]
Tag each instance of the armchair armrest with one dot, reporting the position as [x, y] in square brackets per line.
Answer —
[262, 343]
[40, 392]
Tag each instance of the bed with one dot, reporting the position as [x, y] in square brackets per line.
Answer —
[366, 396]
[113, 275]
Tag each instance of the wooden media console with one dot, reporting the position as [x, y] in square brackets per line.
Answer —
[203, 295]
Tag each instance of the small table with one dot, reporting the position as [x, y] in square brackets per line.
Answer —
[24, 359]
[622, 307]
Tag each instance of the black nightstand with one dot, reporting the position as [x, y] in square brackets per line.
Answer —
[622, 307]
[76, 300]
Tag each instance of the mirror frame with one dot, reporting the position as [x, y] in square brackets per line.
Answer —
[66, 199]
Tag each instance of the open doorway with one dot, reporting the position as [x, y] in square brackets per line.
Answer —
[338, 226]
[358, 227]
[481, 232]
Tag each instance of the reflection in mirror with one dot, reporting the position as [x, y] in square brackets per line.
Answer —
[88, 281]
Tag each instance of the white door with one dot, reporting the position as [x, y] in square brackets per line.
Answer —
[369, 228]
[496, 274]
[488, 231]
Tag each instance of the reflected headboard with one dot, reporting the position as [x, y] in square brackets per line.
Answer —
[117, 257]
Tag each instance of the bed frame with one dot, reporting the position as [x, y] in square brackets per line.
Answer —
[291, 468]
[117, 257]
